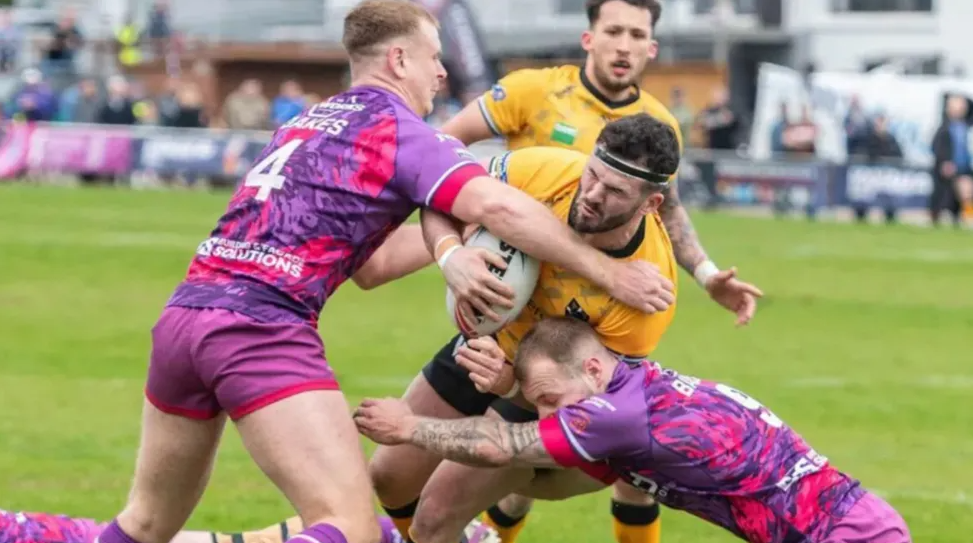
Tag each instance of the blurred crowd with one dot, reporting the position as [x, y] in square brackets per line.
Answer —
[118, 100]
[53, 87]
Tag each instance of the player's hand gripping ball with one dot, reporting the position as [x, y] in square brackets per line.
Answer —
[520, 275]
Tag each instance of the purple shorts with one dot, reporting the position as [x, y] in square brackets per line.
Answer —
[871, 520]
[206, 361]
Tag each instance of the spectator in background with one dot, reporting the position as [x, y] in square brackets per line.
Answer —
[118, 107]
[11, 40]
[953, 175]
[128, 42]
[288, 104]
[64, 45]
[719, 122]
[82, 102]
[158, 28]
[190, 114]
[878, 146]
[682, 112]
[800, 138]
[247, 108]
[34, 100]
[856, 126]
[167, 102]
[778, 130]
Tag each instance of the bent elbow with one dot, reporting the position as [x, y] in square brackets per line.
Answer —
[368, 277]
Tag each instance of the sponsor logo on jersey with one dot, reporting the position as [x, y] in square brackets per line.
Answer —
[811, 463]
[497, 93]
[257, 253]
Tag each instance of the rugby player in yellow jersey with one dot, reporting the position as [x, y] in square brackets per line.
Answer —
[566, 107]
[610, 197]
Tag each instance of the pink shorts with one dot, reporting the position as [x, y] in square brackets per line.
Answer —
[206, 361]
[871, 520]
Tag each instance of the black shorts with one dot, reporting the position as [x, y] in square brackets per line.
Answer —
[452, 382]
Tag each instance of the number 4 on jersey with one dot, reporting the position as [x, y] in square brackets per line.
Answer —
[266, 174]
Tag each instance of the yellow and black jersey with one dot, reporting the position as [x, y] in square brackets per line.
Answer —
[551, 176]
[559, 107]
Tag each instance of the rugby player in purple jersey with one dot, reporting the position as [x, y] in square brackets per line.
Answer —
[697, 446]
[238, 337]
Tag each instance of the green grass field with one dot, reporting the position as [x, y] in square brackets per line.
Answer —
[864, 344]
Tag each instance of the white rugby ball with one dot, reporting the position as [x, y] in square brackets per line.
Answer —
[521, 275]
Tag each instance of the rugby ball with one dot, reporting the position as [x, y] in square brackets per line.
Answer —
[521, 275]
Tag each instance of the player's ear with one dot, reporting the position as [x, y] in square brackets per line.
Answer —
[396, 60]
[586, 39]
[653, 49]
[593, 368]
[652, 203]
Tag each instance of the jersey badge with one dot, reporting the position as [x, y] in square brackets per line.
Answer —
[497, 93]
[564, 133]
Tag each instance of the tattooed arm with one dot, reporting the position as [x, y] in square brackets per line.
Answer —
[481, 441]
[685, 242]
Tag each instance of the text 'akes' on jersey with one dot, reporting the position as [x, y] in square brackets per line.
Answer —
[333, 183]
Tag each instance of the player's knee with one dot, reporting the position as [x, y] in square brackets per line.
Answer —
[625, 493]
[431, 518]
[390, 481]
[515, 505]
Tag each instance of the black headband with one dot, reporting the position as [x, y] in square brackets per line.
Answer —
[626, 168]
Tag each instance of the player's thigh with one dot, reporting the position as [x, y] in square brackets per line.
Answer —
[175, 458]
[456, 493]
[398, 473]
[964, 187]
[308, 446]
[626, 493]
[442, 390]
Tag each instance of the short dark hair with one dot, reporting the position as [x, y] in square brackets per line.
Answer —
[644, 141]
[375, 21]
[593, 9]
[564, 340]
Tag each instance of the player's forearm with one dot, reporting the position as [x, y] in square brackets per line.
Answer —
[436, 227]
[529, 226]
[685, 242]
[482, 442]
[403, 253]
[468, 125]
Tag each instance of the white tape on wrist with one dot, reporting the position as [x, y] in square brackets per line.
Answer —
[443, 239]
[448, 253]
[704, 271]
[513, 391]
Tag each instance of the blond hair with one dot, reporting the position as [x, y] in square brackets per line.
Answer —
[376, 21]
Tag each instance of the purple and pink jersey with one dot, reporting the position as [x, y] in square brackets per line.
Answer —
[704, 448]
[322, 197]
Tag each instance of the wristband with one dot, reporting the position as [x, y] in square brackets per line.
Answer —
[443, 240]
[446, 254]
[513, 391]
[704, 271]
